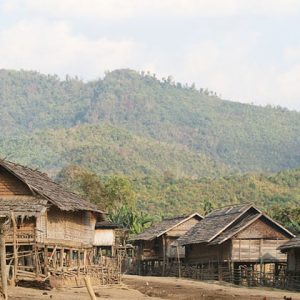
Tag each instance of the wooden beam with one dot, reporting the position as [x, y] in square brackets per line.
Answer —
[15, 250]
[61, 264]
[164, 255]
[3, 259]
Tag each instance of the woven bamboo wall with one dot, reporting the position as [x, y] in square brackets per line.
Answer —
[207, 253]
[182, 228]
[75, 227]
[10, 185]
[294, 260]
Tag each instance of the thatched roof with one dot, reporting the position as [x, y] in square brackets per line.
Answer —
[164, 226]
[222, 224]
[40, 184]
[22, 205]
[293, 243]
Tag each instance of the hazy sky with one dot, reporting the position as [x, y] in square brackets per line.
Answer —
[245, 50]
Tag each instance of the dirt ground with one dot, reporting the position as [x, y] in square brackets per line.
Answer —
[176, 289]
[155, 288]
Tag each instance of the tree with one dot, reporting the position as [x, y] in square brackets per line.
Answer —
[130, 218]
[207, 206]
[119, 192]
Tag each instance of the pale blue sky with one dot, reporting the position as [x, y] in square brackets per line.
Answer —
[246, 51]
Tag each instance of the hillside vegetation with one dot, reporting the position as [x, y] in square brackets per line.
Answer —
[169, 147]
[278, 194]
[135, 124]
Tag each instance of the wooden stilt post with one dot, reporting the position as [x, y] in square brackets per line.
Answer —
[61, 261]
[3, 259]
[45, 260]
[178, 260]
[71, 258]
[164, 255]
[15, 250]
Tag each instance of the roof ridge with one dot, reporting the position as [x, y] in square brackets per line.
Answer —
[40, 183]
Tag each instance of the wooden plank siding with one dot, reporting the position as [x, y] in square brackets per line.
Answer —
[258, 242]
[10, 185]
[257, 250]
[204, 253]
[70, 227]
[182, 228]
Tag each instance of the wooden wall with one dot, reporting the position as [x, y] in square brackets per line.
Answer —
[259, 241]
[260, 229]
[104, 237]
[182, 228]
[208, 253]
[294, 260]
[150, 249]
[70, 227]
[10, 185]
[257, 250]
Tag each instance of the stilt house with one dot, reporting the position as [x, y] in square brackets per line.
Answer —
[292, 248]
[108, 237]
[50, 226]
[155, 244]
[234, 236]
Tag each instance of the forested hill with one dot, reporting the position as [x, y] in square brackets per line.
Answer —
[135, 124]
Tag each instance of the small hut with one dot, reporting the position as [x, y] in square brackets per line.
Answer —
[155, 246]
[51, 228]
[292, 249]
[236, 237]
[108, 237]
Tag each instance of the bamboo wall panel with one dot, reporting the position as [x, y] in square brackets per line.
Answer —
[70, 226]
[206, 253]
[104, 237]
[182, 228]
[257, 250]
[10, 185]
[260, 229]
[41, 228]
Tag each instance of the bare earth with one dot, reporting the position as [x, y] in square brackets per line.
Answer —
[155, 288]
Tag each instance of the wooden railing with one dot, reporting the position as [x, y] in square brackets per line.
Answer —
[22, 236]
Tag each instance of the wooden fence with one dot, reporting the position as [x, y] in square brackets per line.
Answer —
[241, 275]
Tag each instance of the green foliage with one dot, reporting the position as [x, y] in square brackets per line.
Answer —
[130, 218]
[159, 197]
[175, 149]
[289, 216]
[137, 125]
[119, 191]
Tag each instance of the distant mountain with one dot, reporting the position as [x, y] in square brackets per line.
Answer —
[133, 123]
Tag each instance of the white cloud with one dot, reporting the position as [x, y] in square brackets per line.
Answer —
[54, 48]
[120, 9]
[45, 40]
[231, 70]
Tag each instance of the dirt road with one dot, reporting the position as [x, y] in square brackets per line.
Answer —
[177, 289]
[155, 288]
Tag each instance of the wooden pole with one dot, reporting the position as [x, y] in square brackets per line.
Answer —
[3, 260]
[15, 250]
[62, 250]
[178, 259]
[89, 287]
[164, 255]
[45, 260]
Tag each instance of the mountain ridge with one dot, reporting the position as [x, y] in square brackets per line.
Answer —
[227, 137]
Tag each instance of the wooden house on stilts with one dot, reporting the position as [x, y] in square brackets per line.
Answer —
[233, 239]
[292, 249]
[155, 249]
[108, 238]
[51, 229]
